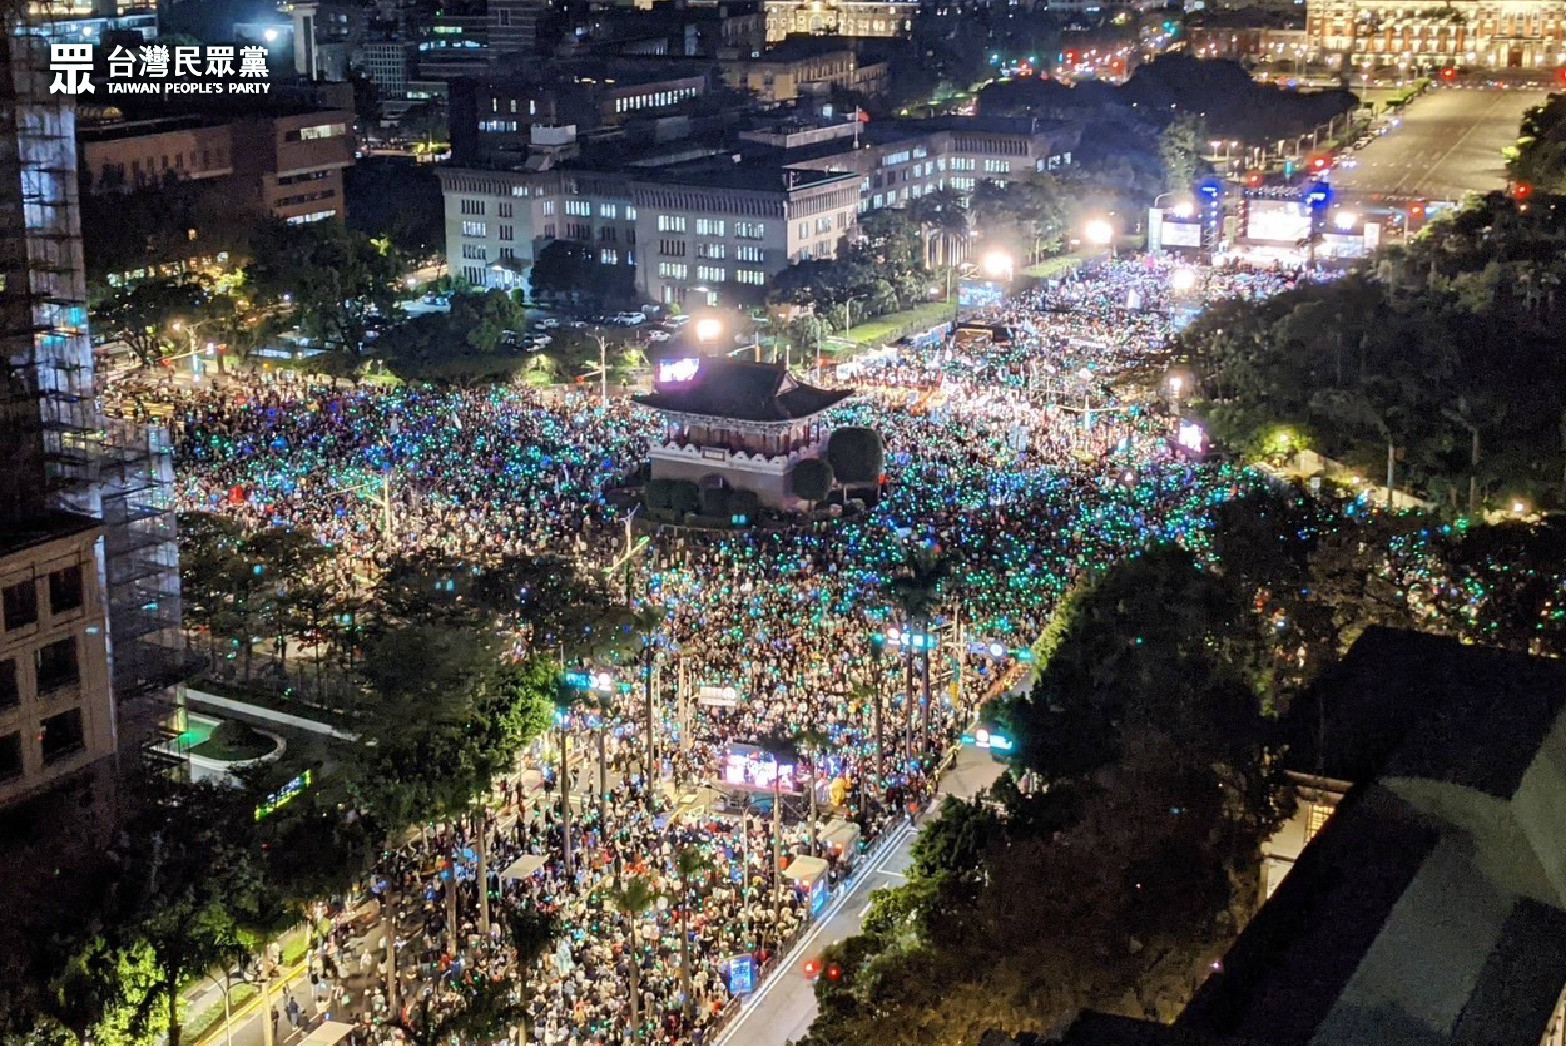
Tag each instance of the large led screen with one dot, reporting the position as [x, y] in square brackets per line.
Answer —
[1277, 221]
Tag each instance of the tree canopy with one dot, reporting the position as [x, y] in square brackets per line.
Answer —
[1448, 352]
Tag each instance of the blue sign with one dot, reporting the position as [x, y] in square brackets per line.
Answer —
[818, 895]
[742, 975]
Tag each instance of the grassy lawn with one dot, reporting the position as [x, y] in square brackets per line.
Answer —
[233, 741]
[895, 324]
[261, 695]
[1055, 266]
[209, 1021]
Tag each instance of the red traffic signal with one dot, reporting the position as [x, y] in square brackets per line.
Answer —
[812, 969]
[1449, 73]
[834, 971]
[1520, 190]
[1254, 178]
[1415, 210]
[1318, 163]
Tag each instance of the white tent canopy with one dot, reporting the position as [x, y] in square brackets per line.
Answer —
[523, 867]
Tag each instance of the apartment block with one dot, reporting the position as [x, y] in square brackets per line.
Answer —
[864, 18]
[1517, 34]
[285, 166]
[56, 707]
[714, 233]
[719, 223]
[801, 67]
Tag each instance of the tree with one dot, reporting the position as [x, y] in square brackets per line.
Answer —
[1444, 355]
[570, 269]
[812, 742]
[465, 345]
[632, 901]
[142, 314]
[856, 455]
[1154, 644]
[811, 481]
[333, 279]
[182, 881]
[916, 591]
[484, 1011]
[689, 862]
[944, 215]
[397, 199]
[1180, 150]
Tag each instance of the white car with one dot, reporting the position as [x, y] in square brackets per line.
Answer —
[551, 323]
[658, 335]
[629, 319]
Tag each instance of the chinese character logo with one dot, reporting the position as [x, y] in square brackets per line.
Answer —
[70, 64]
[252, 61]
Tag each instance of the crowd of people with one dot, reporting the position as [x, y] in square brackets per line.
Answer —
[1021, 460]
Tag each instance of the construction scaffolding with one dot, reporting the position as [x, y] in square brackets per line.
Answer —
[114, 471]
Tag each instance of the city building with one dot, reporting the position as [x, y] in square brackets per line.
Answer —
[719, 219]
[729, 29]
[737, 424]
[90, 28]
[513, 27]
[1429, 905]
[389, 64]
[693, 233]
[802, 66]
[286, 165]
[839, 18]
[1425, 34]
[86, 512]
[56, 706]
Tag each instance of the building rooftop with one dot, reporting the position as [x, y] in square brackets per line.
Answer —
[1431, 908]
[1419, 705]
[51, 526]
[739, 390]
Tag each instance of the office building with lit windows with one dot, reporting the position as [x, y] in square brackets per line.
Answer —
[1374, 35]
[716, 223]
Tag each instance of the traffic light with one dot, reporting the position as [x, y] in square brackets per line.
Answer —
[812, 969]
[1521, 190]
[1318, 163]
[834, 971]
[1253, 179]
[1449, 74]
[1288, 168]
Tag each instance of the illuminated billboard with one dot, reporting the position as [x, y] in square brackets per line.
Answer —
[746, 766]
[980, 294]
[677, 372]
[1277, 221]
[1182, 234]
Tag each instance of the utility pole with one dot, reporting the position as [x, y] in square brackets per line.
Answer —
[386, 507]
[1391, 464]
[603, 370]
[649, 659]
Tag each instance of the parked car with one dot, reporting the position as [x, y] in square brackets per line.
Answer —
[551, 323]
[658, 335]
[677, 321]
[628, 319]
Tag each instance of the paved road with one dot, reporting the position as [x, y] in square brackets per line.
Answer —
[786, 1005]
[1449, 144]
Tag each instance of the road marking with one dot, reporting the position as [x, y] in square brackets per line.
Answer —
[791, 959]
[894, 875]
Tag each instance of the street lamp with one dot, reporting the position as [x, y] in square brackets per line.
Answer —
[998, 264]
[1183, 281]
[708, 328]
[1176, 383]
[1100, 233]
